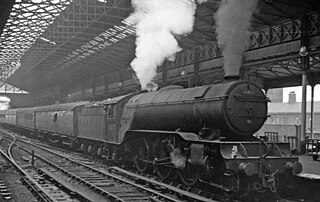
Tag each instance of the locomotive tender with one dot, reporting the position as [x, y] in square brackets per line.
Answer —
[204, 133]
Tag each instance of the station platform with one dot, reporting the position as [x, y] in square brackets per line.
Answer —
[310, 167]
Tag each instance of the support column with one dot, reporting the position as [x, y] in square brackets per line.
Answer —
[312, 111]
[60, 94]
[196, 67]
[121, 82]
[83, 89]
[32, 158]
[93, 87]
[303, 106]
[106, 84]
[164, 75]
[303, 52]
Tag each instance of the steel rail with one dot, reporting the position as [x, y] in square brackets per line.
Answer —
[96, 188]
[38, 189]
[171, 188]
[117, 178]
[103, 192]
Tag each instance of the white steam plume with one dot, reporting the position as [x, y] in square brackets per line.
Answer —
[157, 23]
[233, 22]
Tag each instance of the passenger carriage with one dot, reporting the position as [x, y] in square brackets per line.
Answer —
[58, 123]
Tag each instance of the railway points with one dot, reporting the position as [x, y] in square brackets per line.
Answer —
[102, 182]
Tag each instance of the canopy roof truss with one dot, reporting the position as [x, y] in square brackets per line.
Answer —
[58, 40]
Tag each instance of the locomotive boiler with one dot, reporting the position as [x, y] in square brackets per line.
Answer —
[237, 109]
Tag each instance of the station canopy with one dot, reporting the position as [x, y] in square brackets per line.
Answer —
[44, 42]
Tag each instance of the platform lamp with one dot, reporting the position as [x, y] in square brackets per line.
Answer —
[303, 51]
[183, 73]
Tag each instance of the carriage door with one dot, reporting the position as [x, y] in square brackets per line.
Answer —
[111, 123]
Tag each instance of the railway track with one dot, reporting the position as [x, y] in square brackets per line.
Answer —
[205, 190]
[184, 193]
[146, 178]
[39, 191]
[98, 177]
[114, 186]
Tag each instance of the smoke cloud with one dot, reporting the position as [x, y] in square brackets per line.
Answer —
[233, 22]
[158, 23]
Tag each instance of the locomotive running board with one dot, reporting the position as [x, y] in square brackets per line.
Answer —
[183, 135]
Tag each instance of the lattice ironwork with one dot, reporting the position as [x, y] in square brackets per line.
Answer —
[83, 29]
[58, 34]
[314, 61]
[7, 88]
[283, 72]
[272, 35]
[266, 36]
[25, 25]
[76, 39]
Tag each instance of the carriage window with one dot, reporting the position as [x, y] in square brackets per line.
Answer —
[55, 117]
[111, 111]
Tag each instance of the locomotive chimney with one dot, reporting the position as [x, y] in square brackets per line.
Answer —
[292, 97]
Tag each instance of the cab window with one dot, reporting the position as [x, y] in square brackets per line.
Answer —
[111, 111]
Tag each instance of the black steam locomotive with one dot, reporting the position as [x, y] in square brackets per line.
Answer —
[202, 133]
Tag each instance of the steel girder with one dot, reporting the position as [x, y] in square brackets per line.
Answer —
[88, 35]
[54, 33]
[272, 52]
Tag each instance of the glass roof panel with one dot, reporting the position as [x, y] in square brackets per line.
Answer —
[27, 21]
